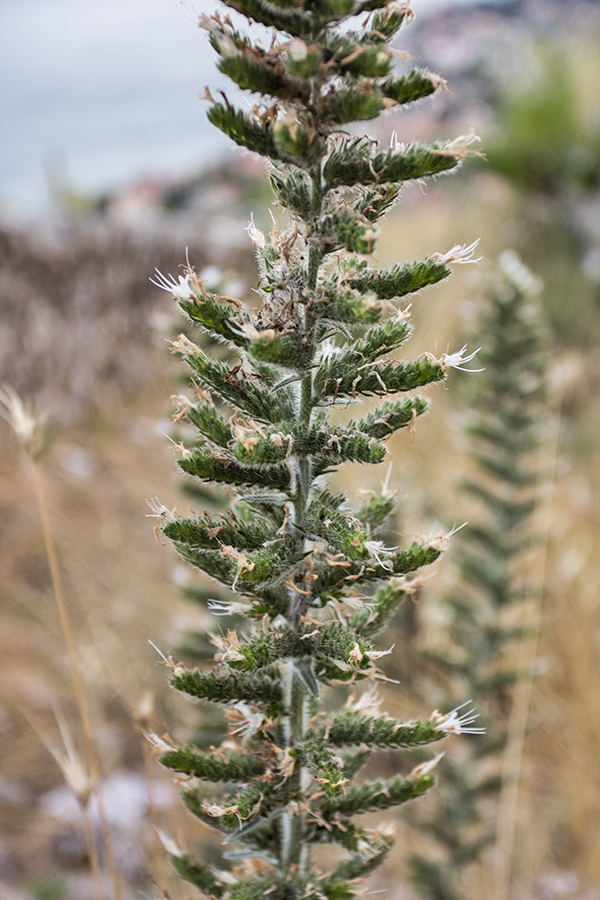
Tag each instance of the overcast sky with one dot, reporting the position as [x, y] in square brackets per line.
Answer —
[103, 92]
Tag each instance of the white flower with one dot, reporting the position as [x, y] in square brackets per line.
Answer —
[159, 744]
[226, 45]
[440, 541]
[329, 349]
[369, 703]
[256, 235]
[460, 253]
[249, 722]
[396, 146]
[73, 768]
[226, 607]
[457, 360]
[376, 549]
[460, 146]
[452, 723]
[251, 332]
[376, 654]
[426, 768]
[159, 511]
[180, 289]
[220, 607]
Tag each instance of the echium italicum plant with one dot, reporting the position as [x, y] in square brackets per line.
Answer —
[310, 578]
[490, 606]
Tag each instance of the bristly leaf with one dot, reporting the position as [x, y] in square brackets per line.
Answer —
[216, 316]
[212, 767]
[398, 281]
[391, 415]
[224, 469]
[380, 795]
[199, 875]
[229, 688]
[354, 162]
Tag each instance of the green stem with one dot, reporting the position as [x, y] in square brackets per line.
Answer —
[295, 723]
[315, 254]
[294, 850]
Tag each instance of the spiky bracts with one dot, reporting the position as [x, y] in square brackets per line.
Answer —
[493, 592]
[299, 565]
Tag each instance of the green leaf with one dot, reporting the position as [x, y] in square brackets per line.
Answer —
[414, 86]
[213, 767]
[198, 874]
[274, 15]
[392, 415]
[224, 469]
[229, 688]
[400, 280]
[354, 162]
[218, 317]
[379, 795]
[349, 727]
[257, 70]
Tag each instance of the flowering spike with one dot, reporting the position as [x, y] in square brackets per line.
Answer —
[295, 558]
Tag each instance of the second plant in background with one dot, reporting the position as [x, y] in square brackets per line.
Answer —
[490, 608]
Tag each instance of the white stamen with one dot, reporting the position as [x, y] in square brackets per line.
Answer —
[377, 550]
[189, 12]
[441, 541]
[457, 360]
[160, 653]
[427, 767]
[256, 235]
[459, 146]
[180, 289]
[452, 723]
[226, 607]
[252, 721]
[460, 253]
[159, 511]
[369, 702]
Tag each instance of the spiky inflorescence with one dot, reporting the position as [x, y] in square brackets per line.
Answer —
[297, 562]
[487, 606]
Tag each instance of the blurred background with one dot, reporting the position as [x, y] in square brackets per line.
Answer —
[109, 169]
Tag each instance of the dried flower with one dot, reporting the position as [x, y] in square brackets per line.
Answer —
[30, 427]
